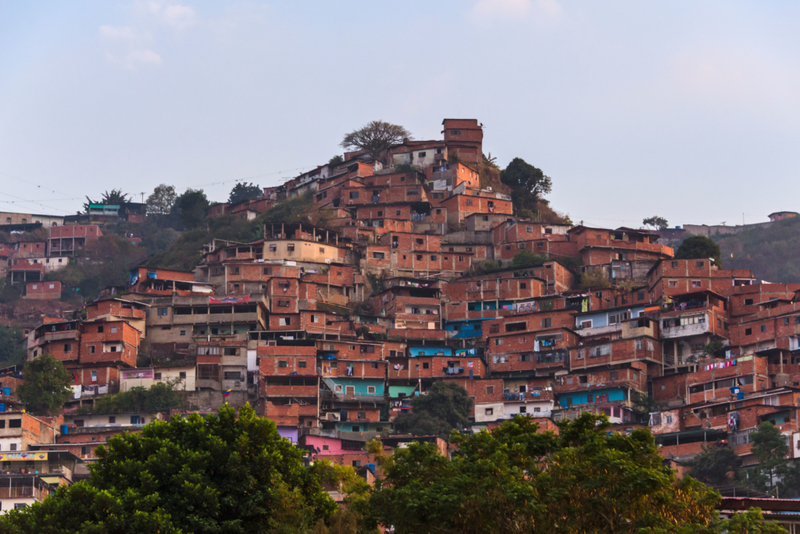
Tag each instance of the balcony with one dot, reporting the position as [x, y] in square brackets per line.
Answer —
[290, 391]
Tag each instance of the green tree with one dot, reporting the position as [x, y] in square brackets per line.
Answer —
[84, 509]
[243, 191]
[11, 351]
[528, 184]
[191, 207]
[46, 385]
[656, 222]
[594, 280]
[216, 474]
[698, 247]
[770, 449]
[115, 197]
[375, 138]
[335, 160]
[162, 200]
[446, 407]
[518, 480]
[526, 258]
[159, 397]
[713, 465]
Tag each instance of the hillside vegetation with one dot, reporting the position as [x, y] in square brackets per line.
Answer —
[772, 253]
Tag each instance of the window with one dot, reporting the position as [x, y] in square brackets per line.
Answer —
[748, 302]
[421, 154]
[419, 257]
[94, 376]
[353, 194]
[528, 230]
[283, 363]
[433, 257]
[113, 329]
[182, 375]
[426, 365]
[696, 283]
[763, 328]
[15, 423]
[672, 283]
[748, 331]
[157, 376]
[290, 247]
[34, 286]
[233, 375]
[523, 409]
[273, 248]
[420, 241]
[183, 332]
[488, 411]
[112, 419]
[91, 349]
[469, 202]
[356, 463]
[523, 285]
[490, 390]
[378, 255]
[371, 390]
[99, 329]
[785, 321]
[546, 323]
[67, 347]
[301, 364]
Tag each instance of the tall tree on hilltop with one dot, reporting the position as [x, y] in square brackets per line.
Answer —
[528, 184]
[656, 222]
[375, 137]
[115, 197]
[191, 207]
[243, 191]
[161, 201]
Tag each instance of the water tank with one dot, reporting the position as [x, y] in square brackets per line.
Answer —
[7, 392]
[2, 407]
[64, 429]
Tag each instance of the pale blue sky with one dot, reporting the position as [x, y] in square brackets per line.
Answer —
[689, 110]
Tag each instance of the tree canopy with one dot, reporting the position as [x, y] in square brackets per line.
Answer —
[516, 479]
[526, 258]
[375, 137]
[698, 247]
[528, 184]
[115, 197]
[215, 474]
[191, 207]
[46, 385]
[713, 465]
[444, 408]
[244, 191]
[11, 350]
[659, 223]
[162, 200]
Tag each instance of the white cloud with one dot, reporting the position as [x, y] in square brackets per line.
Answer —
[514, 9]
[144, 56]
[117, 33]
[177, 16]
[503, 8]
[128, 47]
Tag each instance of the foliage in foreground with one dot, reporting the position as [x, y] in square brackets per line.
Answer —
[517, 480]
[219, 474]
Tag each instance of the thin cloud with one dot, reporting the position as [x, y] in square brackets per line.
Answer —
[514, 9]
[177, 16]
